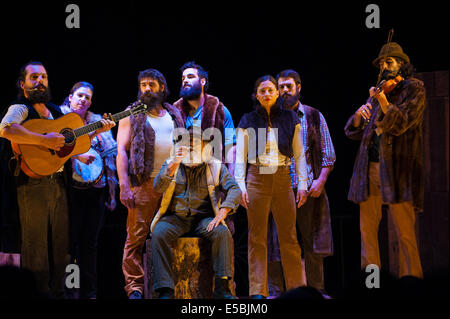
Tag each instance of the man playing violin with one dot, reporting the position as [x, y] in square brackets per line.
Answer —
[42, 202]
[388, 167]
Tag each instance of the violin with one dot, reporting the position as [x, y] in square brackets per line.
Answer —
[388, 86]
[385, 85]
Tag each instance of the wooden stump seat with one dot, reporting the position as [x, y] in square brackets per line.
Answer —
[192, 268]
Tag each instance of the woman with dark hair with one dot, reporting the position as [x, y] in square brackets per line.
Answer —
[93, 188]
[267, 138]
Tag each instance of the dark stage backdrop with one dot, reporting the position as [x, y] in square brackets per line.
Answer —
[328, 44]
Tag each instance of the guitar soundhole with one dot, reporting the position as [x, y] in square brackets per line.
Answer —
[70, 139]
[69, 136]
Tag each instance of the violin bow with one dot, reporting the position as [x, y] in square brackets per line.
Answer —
[389, 40]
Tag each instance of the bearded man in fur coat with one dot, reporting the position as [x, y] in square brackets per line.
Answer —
[388, 167]
[200, 109]
[206, 111]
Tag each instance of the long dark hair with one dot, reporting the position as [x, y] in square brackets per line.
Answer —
[407, 70]
[158, 76]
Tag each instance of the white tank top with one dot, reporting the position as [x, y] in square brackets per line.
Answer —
[163, 127]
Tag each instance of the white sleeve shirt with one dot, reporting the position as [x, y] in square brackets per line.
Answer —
[242, 154]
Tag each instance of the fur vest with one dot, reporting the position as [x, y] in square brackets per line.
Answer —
[284, 120]
[212, 115]
[140, 163]
[313, 148]
[322, 237]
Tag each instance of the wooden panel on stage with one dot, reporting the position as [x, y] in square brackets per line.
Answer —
[433, 223]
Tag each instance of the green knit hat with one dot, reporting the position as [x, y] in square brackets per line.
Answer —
[391, 49]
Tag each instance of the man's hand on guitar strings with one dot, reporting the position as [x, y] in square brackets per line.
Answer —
[54, 140]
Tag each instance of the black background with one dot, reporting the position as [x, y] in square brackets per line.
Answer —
[327, 43]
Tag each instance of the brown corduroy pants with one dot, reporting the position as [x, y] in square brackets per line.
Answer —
[147, 202]
[403, 216]
[272, 192]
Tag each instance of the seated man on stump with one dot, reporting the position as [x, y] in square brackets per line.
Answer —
[193, 181]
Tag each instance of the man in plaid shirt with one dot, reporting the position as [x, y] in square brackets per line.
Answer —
[313, 218]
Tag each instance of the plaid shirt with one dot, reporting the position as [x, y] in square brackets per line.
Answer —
[328, 154]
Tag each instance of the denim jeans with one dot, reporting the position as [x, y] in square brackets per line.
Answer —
[306, 217]
[86, 221]
[43, 213]
[172, 226]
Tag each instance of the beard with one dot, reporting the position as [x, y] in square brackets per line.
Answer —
[191, 93]
[152, 100]
[387, 74]
[288, 101]
[191, 165]
[39, 96]
[192, 160]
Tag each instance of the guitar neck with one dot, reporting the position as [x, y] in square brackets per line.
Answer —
[96, 125]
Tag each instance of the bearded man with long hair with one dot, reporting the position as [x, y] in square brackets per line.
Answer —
[144, 142]
[388, 168]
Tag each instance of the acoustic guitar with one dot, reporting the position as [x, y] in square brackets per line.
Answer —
[37, 161]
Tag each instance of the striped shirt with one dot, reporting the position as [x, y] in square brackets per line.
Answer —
[328, 154]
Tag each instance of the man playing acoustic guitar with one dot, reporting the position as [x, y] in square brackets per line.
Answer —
[42, 201]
